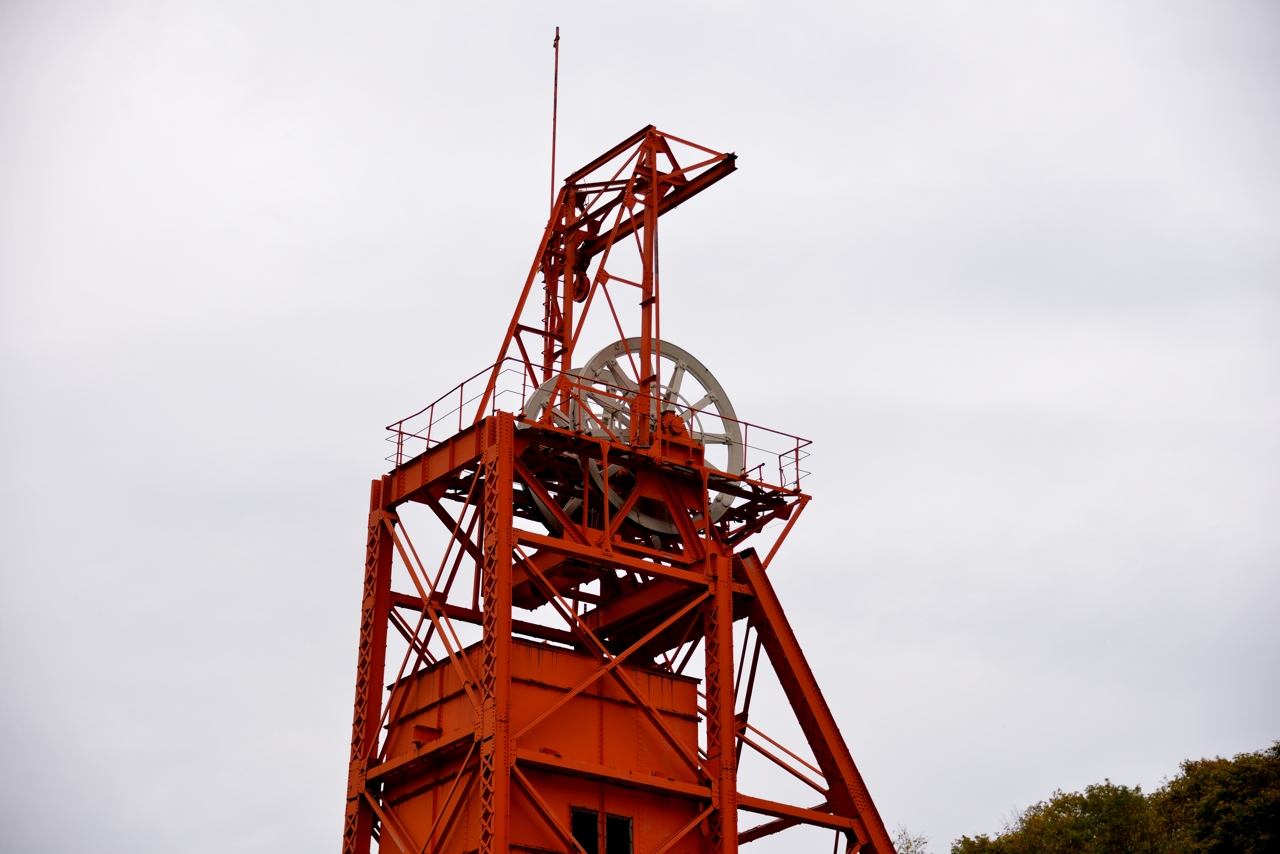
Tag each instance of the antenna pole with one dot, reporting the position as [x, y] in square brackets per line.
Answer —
[555, 103]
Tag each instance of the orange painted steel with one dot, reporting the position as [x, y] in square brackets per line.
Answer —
[605, 520]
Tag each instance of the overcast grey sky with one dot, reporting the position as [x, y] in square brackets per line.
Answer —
[1013, 266]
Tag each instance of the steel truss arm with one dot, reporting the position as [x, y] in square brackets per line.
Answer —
[677, 196]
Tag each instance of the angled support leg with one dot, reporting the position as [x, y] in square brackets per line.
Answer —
[848, 794]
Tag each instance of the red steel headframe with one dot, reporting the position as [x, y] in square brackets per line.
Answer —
[584, 734]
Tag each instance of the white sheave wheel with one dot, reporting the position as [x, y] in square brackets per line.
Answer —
[686, 387]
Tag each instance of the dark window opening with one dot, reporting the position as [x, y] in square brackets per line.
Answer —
[586, 829]
[617, 834]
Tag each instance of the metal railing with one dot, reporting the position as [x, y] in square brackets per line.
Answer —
[769, 457]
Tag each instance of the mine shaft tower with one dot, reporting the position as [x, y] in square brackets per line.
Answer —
[603, 509]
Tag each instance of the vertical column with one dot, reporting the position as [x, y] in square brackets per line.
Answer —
[643, 406]
[552, 270]
[571, 275]
[721, 729]
[358, 826]
[495, 744]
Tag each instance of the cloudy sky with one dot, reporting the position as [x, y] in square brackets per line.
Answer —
[1014, 267]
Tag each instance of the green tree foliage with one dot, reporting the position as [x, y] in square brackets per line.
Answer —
[1223, 806]
[1214, 806]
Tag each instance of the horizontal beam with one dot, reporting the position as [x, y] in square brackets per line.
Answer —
[470, 615]
[801, 815]
[627, 608]
[627, 143]
[610, 774]
[597, 556]
[677, 196]
[438, 462]
[760, 831]
[410, 759]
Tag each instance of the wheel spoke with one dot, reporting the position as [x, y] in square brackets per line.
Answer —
[620, 378]
[712, 438]
[673, 387]
[702, 402]
[606, 402]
